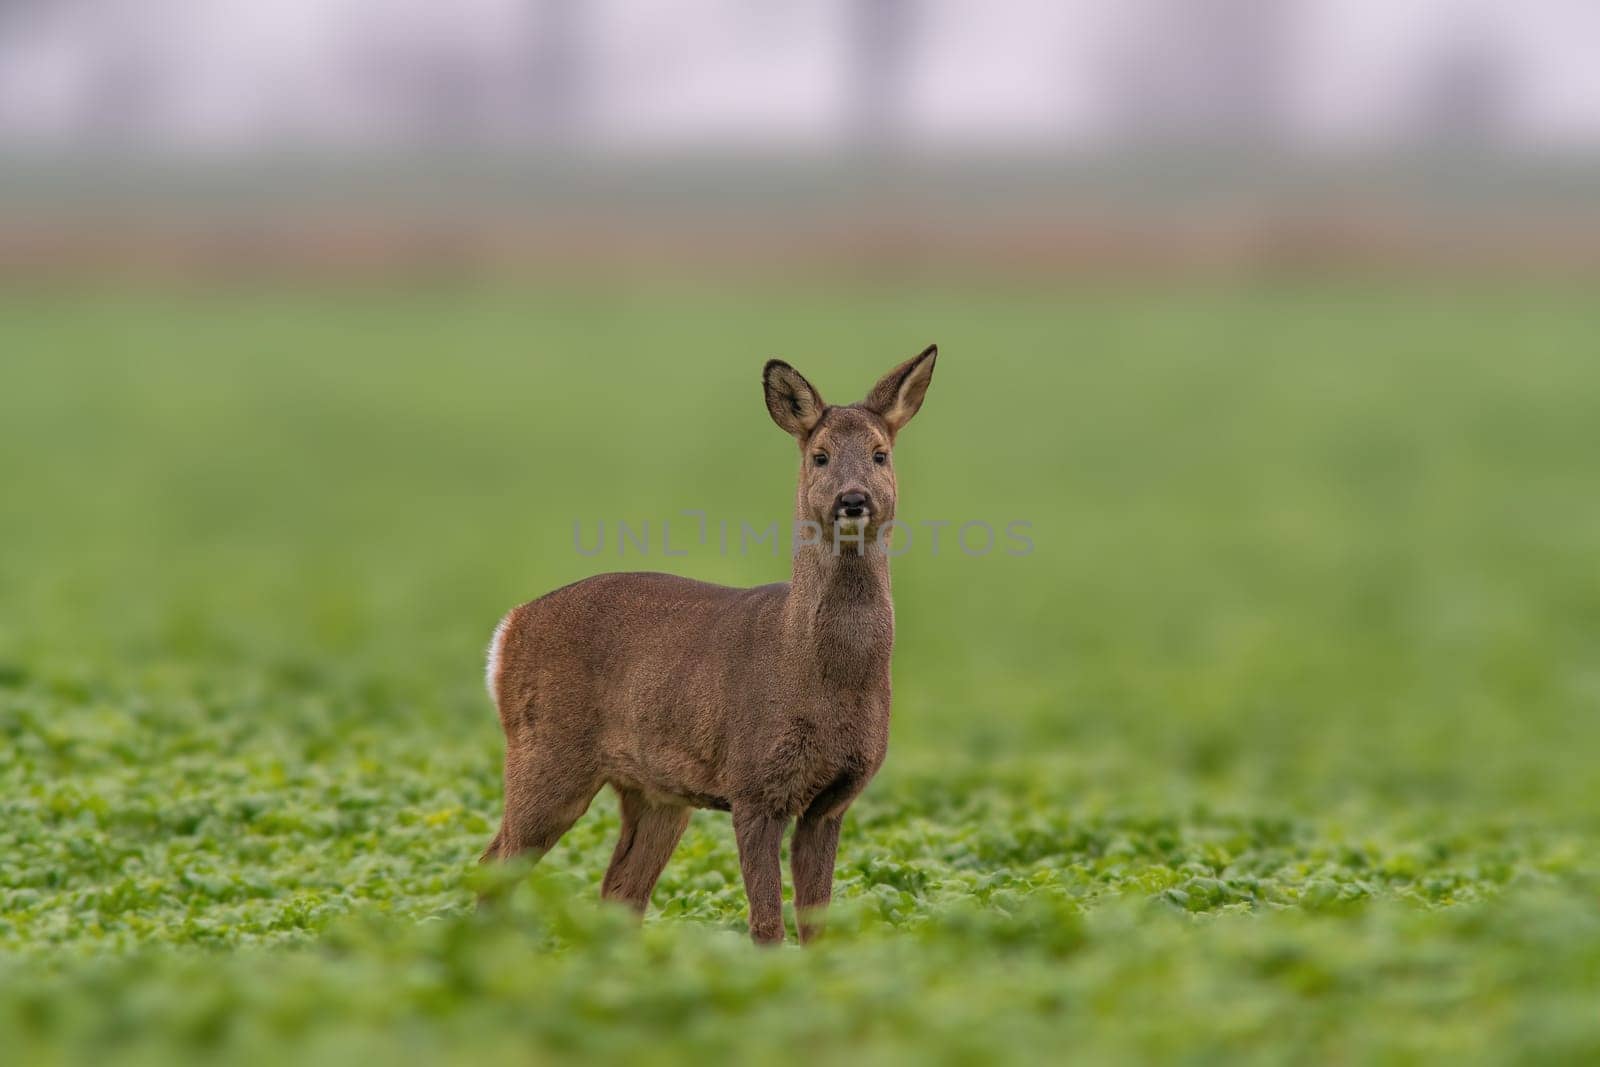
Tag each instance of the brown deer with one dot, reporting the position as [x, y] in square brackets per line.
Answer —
[770, 703]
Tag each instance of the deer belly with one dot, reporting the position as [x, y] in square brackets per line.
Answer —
[667, 769]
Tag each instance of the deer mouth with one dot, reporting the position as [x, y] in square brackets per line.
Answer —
[852, 520]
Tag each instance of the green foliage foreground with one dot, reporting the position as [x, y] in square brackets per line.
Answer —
[1278, 748]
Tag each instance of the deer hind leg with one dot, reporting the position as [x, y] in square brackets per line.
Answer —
[545, 794]
[649, 834]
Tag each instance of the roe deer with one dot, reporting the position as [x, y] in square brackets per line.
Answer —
[771, 703]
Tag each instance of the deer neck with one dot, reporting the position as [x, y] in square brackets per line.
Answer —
[839, 612]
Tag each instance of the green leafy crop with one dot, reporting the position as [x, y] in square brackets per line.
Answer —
[1279, 746]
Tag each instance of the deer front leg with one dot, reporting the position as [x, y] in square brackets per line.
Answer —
[811, 857]
[760, 838]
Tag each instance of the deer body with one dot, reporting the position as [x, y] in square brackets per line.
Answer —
[771, 703]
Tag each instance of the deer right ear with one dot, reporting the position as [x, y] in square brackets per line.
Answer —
[795, 406]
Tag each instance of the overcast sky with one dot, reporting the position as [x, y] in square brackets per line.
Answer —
[686, 72]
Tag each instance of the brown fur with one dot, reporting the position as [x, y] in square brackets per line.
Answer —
[771, 703]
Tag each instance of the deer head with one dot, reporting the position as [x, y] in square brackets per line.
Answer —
[847, 452]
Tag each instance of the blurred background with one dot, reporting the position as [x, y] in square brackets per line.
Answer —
[353, 137]
[326, 319]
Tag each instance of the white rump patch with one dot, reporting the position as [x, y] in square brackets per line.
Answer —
[491, 670]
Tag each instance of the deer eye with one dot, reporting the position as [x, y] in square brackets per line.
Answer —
[880, 458]
[820, 459]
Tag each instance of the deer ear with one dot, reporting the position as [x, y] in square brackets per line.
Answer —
[795, 406]
[898, 394]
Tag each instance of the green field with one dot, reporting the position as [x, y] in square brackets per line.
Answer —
[1280, 746]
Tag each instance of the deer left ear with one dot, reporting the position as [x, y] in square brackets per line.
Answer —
[898, 394]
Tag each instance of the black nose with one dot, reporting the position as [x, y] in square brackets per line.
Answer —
[854, 504]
